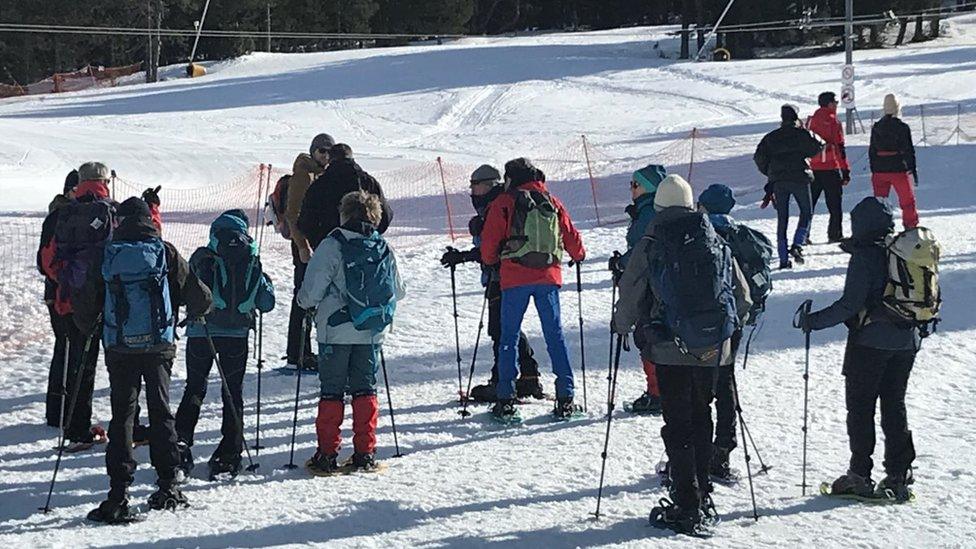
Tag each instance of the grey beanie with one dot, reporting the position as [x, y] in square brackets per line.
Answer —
[321, 141]
[94, 170]
[486, 173]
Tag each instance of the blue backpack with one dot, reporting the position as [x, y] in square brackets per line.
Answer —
[370, 283]
[231, 268]
[138, 313]
[691, 273]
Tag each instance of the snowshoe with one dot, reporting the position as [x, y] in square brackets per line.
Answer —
[526, 387]
[186, 457]
[169, 499]
[140, 435]
[895, 487]
[483, 393]
[689, 522]
[113, 511]
[646, 404]
[95, 435]
[565, 410]
[224, 469]
[720, 471]
[708, 512]
[852, 484]
[855, 487]
[363, 463]
[505, 412]
[785, 264]
[796, 252]
[323, 465]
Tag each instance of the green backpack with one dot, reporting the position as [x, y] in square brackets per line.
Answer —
[912, 291]
[534, 238]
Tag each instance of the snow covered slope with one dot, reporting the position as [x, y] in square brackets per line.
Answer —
[469, 482]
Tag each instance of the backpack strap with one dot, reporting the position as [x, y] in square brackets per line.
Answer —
[117, 288]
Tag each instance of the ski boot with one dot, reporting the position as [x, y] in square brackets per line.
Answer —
[646, 404]
[170, 499]
[852, 484]
[323, 464]
[504, 411]
[895, 486]
[529, 386]
[719, 468]
[565, 410]
[484, 393]
[681, 520]
[796, 252]
[364, 462]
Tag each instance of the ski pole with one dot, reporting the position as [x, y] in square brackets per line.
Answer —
[745, 446]
[801, 312]
[64, 392]
[306, 330]
[225, 387]
[613, 303]
[763, 468]
[66, 418]
[257, 422]
[474, 357]
[457, 336]
[579, 301]
[389, 401]
[606, 440]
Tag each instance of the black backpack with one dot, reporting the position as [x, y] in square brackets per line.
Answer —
[754, 252]
[83, 228]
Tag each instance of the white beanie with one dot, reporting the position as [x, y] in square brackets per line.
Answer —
[673, 191]
[891, 105]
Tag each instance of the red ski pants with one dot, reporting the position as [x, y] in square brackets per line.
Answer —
[904, 187]
[651, 372]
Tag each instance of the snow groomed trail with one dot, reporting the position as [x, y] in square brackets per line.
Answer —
[469, 482]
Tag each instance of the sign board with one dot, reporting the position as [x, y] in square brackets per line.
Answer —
[847, 75]
[847, 96]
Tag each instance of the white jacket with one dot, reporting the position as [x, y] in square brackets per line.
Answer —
[324, 288]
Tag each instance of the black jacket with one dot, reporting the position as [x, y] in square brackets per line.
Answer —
[891, 149]
[184, 286]
[47, 233]
[867, 273]
[784, 153]
[320, 208]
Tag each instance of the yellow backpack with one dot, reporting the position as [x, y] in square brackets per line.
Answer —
[912, 291]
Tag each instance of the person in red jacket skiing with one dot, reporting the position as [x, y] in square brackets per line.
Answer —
[527, 230]
[831, 171]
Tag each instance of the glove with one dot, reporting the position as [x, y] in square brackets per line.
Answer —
[845, 177]
[151, 195]
[614, 264]
[770, 196]
[801, 320]
[453, 257]
[915, 177]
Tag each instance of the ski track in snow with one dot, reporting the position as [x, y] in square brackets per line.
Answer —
[471, 482]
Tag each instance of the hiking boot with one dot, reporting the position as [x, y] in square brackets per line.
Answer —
[310, 363]
[170, 498]
[719, 467]
[852, 484]
[565, 409]
[646, 404]
[529, 386]
[186, 457]
[112, 511]
[895, 486]
[681, 520]
[323, 463]
[484, 393]
[796, 252]
[95, 435]
[364, 462]
[785, 264]
[505, 410]
[220, 467]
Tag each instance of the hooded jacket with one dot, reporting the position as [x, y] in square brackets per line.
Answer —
[891, 149]
[638, 305]
[202, 266]
[784, 153]
[824, 123]
[184, 287]
[47, 234]
[641, 214]
[496, 230]
[320, 207]
[324, 289]
[303, 172]
[867, 273]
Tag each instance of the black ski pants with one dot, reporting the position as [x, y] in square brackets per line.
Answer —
[870, 375]
[125, 375]
[528, 367]
[831, 185]
[82, 374]
[232, 352]
[686, 396]
[725, 414]
[296, 336]
[60, 325]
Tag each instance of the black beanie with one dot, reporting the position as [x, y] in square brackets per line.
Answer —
[826, 98]
[321, 141]
[70, 181]
[340, 151]
[133, 207]
[521, 171]
[789, 114]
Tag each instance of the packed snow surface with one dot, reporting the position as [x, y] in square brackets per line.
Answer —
[469, 481]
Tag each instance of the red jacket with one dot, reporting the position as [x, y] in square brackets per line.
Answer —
[824, 123]
[496, 230]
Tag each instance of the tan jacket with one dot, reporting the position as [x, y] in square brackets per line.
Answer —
[305, 170]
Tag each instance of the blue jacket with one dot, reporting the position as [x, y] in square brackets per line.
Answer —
[641, 214]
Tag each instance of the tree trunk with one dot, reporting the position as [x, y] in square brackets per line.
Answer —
[902, 27]
[919, 36]
[685, 39]
[935, 24]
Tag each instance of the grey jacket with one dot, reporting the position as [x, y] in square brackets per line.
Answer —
[324, 288]
[638, 305]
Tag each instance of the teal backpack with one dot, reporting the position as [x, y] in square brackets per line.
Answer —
[231, 268]
[370, 273]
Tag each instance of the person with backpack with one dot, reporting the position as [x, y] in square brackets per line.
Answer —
[291, 194]
[683, 289]
[883, 312]
[891, 155]
[353, 286]
[783, 156]
[752, 252]
[230, 267]
[831, 171]
[486, 186]
[526, 232]
[643, 187]
[131, 295]
[61, 325]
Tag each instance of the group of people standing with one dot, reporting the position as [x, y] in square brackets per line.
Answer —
[691, 280]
